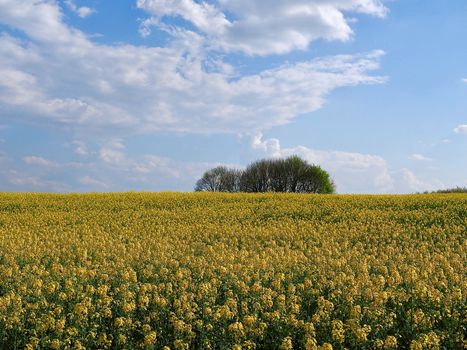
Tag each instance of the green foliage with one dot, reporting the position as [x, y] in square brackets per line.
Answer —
[292, 175]
[457, 189]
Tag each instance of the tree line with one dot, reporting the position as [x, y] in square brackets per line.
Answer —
[291, 174]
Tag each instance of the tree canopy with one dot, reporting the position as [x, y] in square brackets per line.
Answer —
[292, 174]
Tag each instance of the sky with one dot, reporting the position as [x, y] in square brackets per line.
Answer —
[146, 95]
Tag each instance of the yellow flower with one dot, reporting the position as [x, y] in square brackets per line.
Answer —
[362, 333]
[338, 331]
[128, 307]
[311, 344]
[121, 339]
[180, 345]
[218, 270]
[236, 329]
[55, 344]
[249, 320]
[415, 345]
[390, 342]
[286, 344]
[119, 322]
[150, 338]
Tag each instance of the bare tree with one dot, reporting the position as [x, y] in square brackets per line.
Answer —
[219, 179]
[255, 178]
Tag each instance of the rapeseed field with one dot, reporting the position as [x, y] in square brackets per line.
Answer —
[239, 271]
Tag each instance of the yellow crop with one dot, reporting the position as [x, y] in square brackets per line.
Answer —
[242, 271]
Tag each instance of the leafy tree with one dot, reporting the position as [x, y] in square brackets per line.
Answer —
[315, 180]
[457, 189]
[292, 174]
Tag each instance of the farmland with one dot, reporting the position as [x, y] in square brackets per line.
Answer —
[219, 271]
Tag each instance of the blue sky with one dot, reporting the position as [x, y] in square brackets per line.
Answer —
[148, 94]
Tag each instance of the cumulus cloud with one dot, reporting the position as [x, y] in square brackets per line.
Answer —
[407, 181]
[20, 181]
[80, 147]
[180, 87]
[40, 161]
[461, 129]
[141, 89]
[206, 17]
[261, 27]
[122, 173]
[271, 147]
[111, 167]
[420, 157]
[185, 86]
[41, 20]
[112, 153]
[81, 11]
[145, 168]
[464, 80]
[89, 181]
[352, 172]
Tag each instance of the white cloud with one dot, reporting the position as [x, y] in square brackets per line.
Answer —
[420, 157]
[177, 88]
[461, 129]
[207, 17]
[81, 11]
[406, 181]
[464, 80]
[115, 90]
[352, 172]
[117, 170]
[112, 153]
[40, 161]
[21, 180]
[113, 173]
[147, 170]
[80, 148]
[29, 182]
[91, 182]
[261, 27]
[271, 146]
[40, 20]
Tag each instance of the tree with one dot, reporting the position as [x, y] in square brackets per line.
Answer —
[295, 173]
[315, 180]
[292, 174]
[219, 179]
[255, 178]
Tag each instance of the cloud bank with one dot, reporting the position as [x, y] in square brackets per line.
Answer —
[59, 75]
[352, 172]
[461, 129]
[262, 27]
[53, 73]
